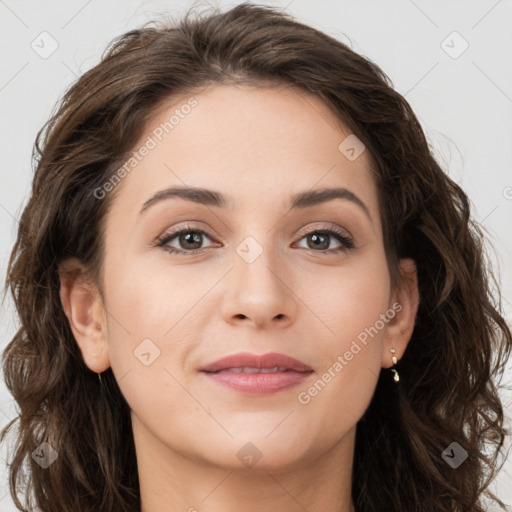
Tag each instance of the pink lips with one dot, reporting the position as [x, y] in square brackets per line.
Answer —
[255, 374]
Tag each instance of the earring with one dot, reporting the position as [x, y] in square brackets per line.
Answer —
[396, 377]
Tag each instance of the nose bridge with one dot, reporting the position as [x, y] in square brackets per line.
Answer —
[258, 288]
[258, 265]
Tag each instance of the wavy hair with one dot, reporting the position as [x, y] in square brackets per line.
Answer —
[448, 390]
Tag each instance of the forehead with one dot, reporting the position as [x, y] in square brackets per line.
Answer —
[251, 143]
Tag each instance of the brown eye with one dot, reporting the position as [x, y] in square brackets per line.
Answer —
[320, 240]
[188, 239]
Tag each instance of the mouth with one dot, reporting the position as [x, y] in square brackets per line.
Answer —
[253, 363]
[258, 375]
[249, 369]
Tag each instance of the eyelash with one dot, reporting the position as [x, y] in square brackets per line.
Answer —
[346, 241]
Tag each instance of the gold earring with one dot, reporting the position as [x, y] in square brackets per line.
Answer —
[396, 377]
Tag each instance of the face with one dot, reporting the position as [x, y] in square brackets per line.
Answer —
[188, 282]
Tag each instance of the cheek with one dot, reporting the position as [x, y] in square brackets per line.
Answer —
[144, 314]
[351, 298]
[355, 314]
[150, 298]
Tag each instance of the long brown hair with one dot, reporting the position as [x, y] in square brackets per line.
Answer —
[449, 373]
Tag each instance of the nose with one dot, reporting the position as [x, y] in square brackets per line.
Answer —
[259, 293]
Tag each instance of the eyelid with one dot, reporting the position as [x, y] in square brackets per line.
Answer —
[325, 226]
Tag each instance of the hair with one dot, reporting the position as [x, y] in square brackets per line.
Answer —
[460, 343]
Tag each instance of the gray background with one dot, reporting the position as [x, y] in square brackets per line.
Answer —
[462, 98]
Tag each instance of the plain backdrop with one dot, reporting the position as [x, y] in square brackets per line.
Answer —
[452, 61]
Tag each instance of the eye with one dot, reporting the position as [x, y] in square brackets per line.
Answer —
[189, 237]
[320, 239]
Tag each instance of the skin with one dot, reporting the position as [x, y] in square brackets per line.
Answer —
[257, 146]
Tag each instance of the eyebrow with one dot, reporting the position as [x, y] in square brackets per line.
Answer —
[299, 200]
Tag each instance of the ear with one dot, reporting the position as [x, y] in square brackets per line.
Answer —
[83, 306]
[404, 302]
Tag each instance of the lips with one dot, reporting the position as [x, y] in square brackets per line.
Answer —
[255, 375]
[245, 362]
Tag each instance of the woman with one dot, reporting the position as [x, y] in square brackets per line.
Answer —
[329, 341]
